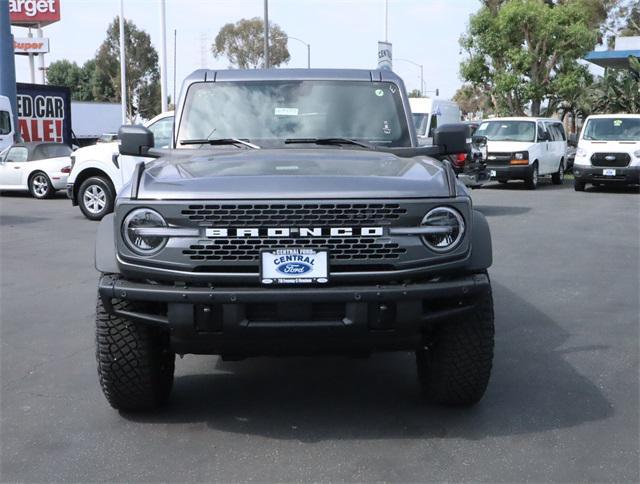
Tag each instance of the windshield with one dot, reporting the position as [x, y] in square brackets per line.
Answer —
[508, 130]
[612, 129]
[268, 112]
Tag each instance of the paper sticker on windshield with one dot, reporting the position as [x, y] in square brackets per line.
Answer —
[483, 126]
[379, 92]
[286, 111]
[617, 123]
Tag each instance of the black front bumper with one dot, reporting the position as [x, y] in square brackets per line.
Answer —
[627, 175]
[511, 172]
[249, 321]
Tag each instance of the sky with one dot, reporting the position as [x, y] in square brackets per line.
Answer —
[342, 33]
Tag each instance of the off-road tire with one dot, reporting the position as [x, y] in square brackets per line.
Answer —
[578, 185]
[531, 181]
[455, 366]
[40, 186]
[558, 177]
[102, 187]
[135, 362]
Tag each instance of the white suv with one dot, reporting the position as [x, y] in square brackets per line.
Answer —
[608, 151]
[99, 171]
[524, 149]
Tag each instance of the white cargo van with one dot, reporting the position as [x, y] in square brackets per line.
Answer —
[429, 113]
[608, 151]
[7, 129]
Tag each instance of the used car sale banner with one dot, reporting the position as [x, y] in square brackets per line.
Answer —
[44, 113]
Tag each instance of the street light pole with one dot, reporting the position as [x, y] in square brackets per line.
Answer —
[163, 56]
[266, 34]
[123, 75]
[421, 73]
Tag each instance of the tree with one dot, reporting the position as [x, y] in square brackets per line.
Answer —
[473, 101]
[618, 91]
[78, 79]
[415, 93]
[516, 47]
[141, 69]
[572, 93]
[242, 44]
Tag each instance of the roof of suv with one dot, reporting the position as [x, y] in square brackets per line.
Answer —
[291, 74]
[522, 118]
[607, 116]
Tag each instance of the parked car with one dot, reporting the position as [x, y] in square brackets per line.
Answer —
[429, 113]
[608, 151]
[310, 223]
[471, 167]
[40, 168]
[525, 149]
[6, 123]
[98, 172]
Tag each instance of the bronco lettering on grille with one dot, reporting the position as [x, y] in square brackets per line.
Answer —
[295, 231]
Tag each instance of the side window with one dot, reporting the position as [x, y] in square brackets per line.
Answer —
[162, 131]
[434, 125]
[561, 132]
[17, 154]
[551, 130]
[542, 133]
[5, 122]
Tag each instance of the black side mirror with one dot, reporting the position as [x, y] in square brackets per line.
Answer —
[573, 139]
[135, 140]
[452, 138]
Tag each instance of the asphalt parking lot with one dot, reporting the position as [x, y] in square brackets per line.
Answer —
[562, 404]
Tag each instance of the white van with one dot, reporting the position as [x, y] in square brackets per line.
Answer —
[524, 149]
[7, 129]
[429, 113]
[98, 172]
[608, 151]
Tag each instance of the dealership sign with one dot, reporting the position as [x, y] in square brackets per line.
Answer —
[30, 45]
[34, 12]
[44, 113]
[385, 56]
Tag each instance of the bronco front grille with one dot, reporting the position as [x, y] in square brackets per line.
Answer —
[321, 214]
[340, 249]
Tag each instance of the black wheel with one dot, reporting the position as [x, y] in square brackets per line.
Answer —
[40, 186]
[135, 362]
[531, 181]
[96, 198]
[455, 366]
[578, 185]
[558, 177]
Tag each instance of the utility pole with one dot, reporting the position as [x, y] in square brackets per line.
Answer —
[421, 66]
[266, 34]
[163, 56]
[123, 74]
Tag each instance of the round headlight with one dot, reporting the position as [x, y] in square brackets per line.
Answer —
[133, 231]
[448, 227]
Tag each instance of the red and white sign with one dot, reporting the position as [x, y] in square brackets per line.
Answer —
[32, 12]
[30, 45]
[41, 118]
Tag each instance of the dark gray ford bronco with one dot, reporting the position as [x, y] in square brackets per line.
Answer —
[296, 216]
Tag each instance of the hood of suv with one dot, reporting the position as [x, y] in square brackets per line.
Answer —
[508, 146]
[291, 174]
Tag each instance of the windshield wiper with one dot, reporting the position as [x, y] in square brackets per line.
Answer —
[331, 141]
[220, 141]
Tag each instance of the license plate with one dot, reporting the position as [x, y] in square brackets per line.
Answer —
[609, 172]
[492, 173]
[294, 266]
